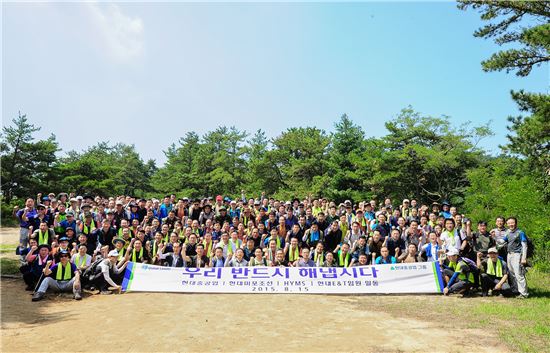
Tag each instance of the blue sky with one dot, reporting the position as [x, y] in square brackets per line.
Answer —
[146, 74]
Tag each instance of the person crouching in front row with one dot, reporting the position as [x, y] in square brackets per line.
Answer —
[63, 277]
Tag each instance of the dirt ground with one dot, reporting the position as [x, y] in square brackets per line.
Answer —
[155, 322]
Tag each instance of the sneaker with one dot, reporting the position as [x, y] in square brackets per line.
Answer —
[77, 296]
[521, 296]
[37, 296]
[106, 292]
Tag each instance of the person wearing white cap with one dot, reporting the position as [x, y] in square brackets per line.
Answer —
[101, 279]
[457, 273]
[494, 274]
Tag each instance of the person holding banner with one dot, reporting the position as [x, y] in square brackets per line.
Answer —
[218, 260]
[318, 255]
[363, 258]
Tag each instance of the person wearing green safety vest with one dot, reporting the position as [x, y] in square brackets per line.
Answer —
[344, 256]
[120, 247]
[292, 252]
[81, 259]
[60, 216]
[88, 225]
[318, 255]
[461, 278]
[137, 253]
[43, 234]
[61, 277]
[494, 274]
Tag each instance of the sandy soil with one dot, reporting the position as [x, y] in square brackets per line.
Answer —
[252, 322]
[9, 236]
[154, 322]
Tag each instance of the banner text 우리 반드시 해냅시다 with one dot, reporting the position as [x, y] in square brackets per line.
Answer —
[424, 277]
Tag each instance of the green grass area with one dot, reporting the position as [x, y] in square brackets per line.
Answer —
[521, 324]
[524, 324]
[7, 248]
[9, 266]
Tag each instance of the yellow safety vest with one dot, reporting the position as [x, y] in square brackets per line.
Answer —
[230, 247]
[315, 256]
[208, 248]
[134, 255]
[85, 229]
[491, 268]
[344, 262]
[78, 261]
[293, 255]
[63, 273]
[43, 238]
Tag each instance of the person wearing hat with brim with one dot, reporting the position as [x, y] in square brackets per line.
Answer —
[36, 266]
[101, 278]
[206, 213]
[458, 276]
[494, 274]
[61, 277]
[120, 247]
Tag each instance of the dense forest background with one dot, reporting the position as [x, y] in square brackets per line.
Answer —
[422, 157]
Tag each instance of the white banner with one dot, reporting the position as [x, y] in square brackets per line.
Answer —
[422, 277]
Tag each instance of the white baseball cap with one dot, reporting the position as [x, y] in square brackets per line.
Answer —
[113, 253]
[452, 252]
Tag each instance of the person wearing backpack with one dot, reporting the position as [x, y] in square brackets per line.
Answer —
[461, 276]
[517, 257]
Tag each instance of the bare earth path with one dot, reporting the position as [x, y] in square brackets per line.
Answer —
[153, 322]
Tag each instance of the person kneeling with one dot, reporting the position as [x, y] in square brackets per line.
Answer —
[101, 279]
[494, 275]
[457, 273]
[62, 277]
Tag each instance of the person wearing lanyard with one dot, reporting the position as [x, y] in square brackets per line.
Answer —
[62, 277]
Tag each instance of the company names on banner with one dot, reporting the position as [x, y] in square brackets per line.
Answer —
[395, 278]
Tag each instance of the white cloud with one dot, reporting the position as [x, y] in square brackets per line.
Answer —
[120, 35]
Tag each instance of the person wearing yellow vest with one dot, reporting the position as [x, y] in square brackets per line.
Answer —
[461, 279]
[81, 259]
[318, 255]
[88, 226]
[344, 256]
[292, 252]
[43, 235]
[120, 247]
[61, 277]
[494, 274]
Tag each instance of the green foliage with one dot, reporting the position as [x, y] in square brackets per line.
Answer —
[524, 23]
[505, 187]
[422, 157]
[530, 136]
[105, 170]
[27, 166]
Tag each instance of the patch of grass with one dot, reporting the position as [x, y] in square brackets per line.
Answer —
[7, 248]
[9, 266]
[523, 323]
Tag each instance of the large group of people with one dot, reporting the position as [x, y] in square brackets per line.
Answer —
[73, 243]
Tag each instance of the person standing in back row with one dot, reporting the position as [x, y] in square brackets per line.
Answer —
[517, 257]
